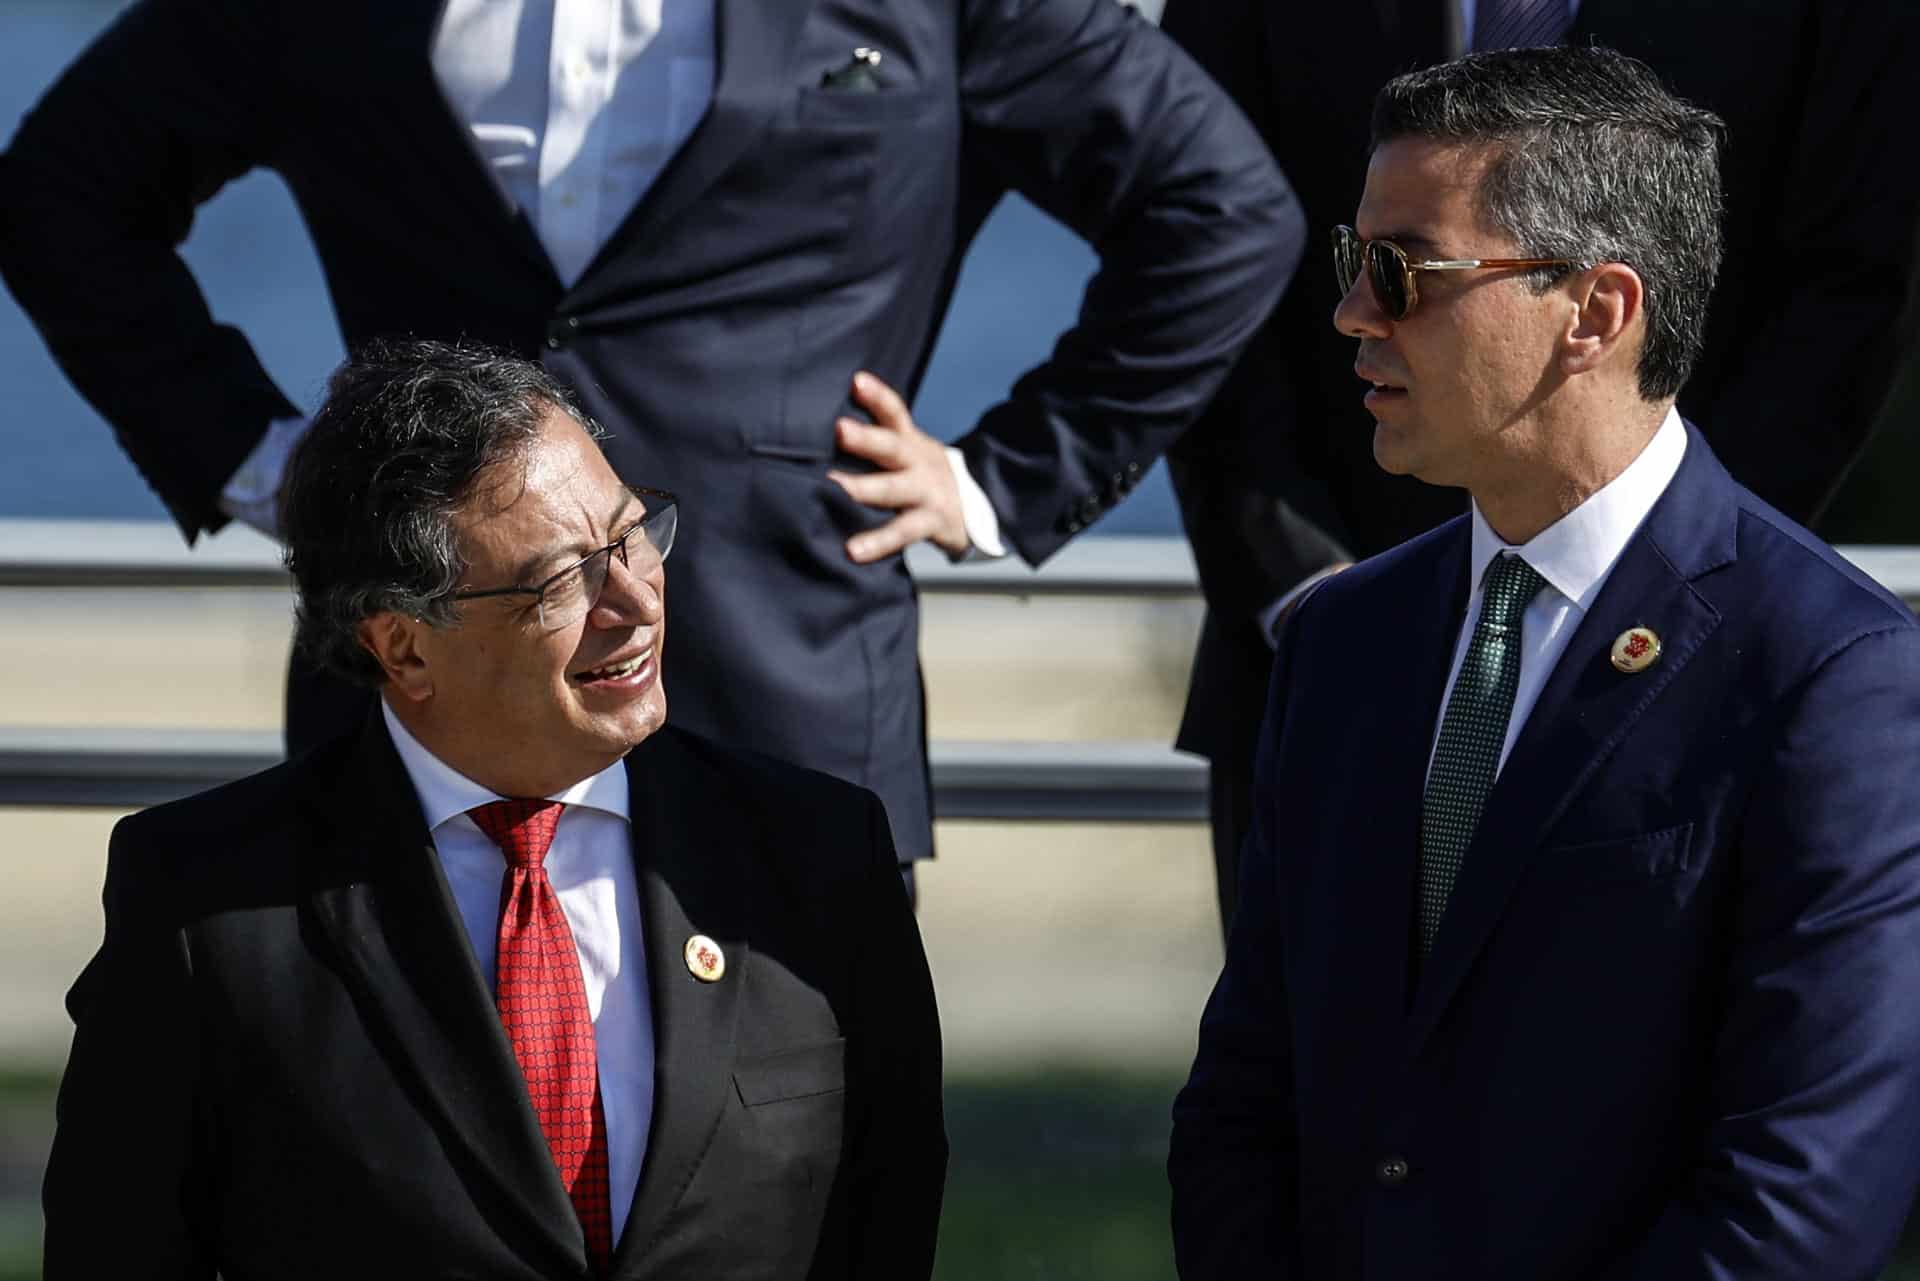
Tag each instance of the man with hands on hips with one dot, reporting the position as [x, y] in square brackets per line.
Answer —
[705, 217]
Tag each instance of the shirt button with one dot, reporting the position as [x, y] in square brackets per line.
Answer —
[577, 69]
[1392, 1171]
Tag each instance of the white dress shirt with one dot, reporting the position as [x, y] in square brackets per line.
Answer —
[575, 107]
[1574, 555]
[591, 868]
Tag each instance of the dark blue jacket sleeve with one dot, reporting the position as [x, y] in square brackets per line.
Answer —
[1099, 119]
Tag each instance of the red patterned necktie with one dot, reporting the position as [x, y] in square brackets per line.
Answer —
[543, 1004]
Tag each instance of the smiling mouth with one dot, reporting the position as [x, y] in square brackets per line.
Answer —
[616, 671]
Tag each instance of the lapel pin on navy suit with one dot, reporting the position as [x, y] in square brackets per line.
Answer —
[1636, 649]
[705, 960]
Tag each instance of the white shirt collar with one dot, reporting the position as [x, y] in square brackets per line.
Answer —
[1577, 552]
[445, 793]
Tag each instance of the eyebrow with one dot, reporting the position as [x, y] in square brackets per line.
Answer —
[1415, 244]
[556, 556]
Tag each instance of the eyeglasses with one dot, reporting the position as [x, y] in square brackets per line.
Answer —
[1390, 273]
[564, 598]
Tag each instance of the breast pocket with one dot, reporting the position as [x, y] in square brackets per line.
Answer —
[808, 1072]
[871, 109]
[793, 1120]
[1650, 857]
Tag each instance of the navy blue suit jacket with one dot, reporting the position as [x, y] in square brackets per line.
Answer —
[803, 232]
[1669, 1026]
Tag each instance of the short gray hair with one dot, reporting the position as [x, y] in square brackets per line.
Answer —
[1594, 161]
[389, 461]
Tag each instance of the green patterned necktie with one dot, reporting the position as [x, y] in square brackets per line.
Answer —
[1471, 735]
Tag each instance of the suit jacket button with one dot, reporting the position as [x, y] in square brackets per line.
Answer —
[1392, 1171]
[1133, 471]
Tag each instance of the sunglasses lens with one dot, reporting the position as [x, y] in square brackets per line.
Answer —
[1346, 257]
[1388, 275]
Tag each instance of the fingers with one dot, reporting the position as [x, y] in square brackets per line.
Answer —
[896, 535]
[895, 489]
[881, 445]
[914, 479]
[882, 401]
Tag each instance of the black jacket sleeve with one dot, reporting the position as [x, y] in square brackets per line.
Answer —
[897, 1164]
[125, 1189]
[97, 190]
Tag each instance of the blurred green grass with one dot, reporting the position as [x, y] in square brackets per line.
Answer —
[26, 1127]
[1056, 1175]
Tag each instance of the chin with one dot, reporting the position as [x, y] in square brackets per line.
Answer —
[639, 722]
[1388, 452]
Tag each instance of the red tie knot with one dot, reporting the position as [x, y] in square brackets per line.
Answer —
[523, 829]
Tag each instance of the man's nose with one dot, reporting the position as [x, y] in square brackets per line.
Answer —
[1358, 313]
[633, 594]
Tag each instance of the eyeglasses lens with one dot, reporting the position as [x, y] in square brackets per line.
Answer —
[567, 599]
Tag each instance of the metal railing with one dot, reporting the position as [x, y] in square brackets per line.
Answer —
[148, 553]
[1112, 781]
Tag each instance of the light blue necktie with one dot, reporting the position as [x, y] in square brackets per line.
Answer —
[1472, 732]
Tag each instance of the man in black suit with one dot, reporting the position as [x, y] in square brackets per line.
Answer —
[1277, 480]
[518, 981]
[705, 217]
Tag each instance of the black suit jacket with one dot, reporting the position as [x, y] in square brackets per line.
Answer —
[802, 233]
[1802, 345]
[286, 1062]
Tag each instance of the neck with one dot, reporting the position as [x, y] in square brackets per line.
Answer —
[512, 773]
[1567, 457]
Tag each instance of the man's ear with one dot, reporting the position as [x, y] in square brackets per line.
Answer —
[1608, 319]
[394, 641]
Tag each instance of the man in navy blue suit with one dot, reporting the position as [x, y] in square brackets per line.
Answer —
[1582, 900]
[731, 227]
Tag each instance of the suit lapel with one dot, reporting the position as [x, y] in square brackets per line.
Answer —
[756, 41]
[422, 115]
[689, 848]
[374, 887]
[1586, 709]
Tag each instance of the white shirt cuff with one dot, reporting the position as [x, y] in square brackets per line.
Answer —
[252, 494]
[983, 525]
